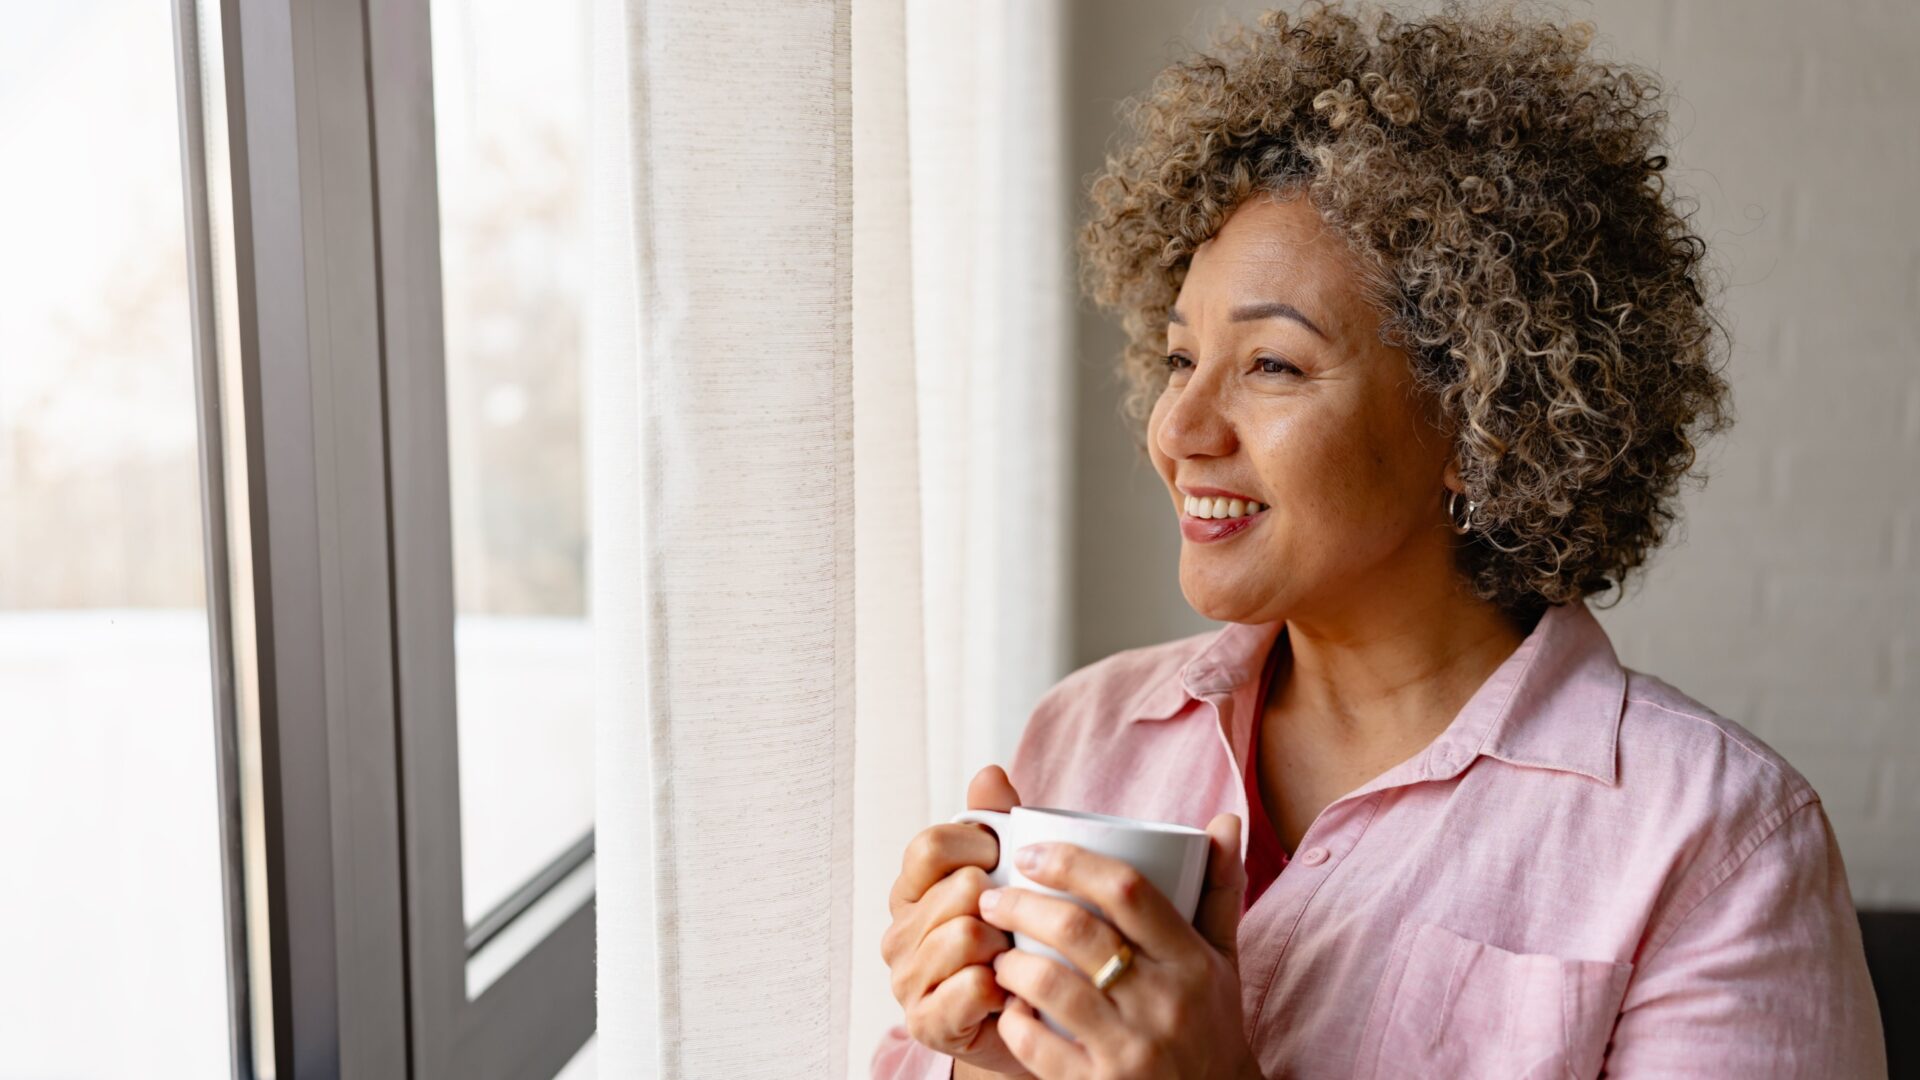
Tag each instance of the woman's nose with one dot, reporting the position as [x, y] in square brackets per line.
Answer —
[1196, 424]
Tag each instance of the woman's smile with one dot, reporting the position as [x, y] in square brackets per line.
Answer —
[1206, 530]
[1215, 513]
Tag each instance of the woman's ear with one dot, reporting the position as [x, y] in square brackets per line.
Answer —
[1451, 476]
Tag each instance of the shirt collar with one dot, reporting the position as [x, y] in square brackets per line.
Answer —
[1554, 703]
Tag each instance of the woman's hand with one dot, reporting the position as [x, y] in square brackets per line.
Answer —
[1174, 1013]
[937, 947]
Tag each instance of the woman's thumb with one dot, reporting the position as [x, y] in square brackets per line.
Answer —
[990, 789]
[1218, 918]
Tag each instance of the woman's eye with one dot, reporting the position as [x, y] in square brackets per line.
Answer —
[1271, 366]
[1173, 362]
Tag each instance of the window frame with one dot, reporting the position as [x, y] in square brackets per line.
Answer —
[542, 1009]
[211, 449]
[344, 424]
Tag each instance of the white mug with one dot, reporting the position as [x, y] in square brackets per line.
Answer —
[1173, 857]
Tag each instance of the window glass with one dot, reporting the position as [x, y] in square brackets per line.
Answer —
[113, 945]
[510, 116]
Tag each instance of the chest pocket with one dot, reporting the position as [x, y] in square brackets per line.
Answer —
[1463, 1008]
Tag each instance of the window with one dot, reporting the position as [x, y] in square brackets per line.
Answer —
[294, 645]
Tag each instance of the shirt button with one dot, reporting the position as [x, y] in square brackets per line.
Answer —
[1314, 856]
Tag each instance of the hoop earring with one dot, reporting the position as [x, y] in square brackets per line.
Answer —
[1460, 527]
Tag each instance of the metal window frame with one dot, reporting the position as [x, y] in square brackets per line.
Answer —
[209, 420]
[306, 254]
[336, 244]
[533, 1018]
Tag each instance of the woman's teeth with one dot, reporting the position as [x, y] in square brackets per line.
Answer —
[1221, 508]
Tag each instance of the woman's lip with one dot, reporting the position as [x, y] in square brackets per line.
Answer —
[1208, 530]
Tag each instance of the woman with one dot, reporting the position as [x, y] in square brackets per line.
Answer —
[1424, 350]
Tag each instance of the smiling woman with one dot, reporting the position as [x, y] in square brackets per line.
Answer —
[1421, 348]
[1323, 424]
[1490, 208]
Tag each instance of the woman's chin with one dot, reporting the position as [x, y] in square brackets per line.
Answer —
[1229, 600]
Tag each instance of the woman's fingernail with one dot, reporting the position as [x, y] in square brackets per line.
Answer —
[1028, 858]
[988, 899]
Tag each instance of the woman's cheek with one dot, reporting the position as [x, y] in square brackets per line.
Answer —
[1336, 481]
[1289, 458]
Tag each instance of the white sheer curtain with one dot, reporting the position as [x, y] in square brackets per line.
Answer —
[829, 443]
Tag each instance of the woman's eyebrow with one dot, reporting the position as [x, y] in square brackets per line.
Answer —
[1268, 309]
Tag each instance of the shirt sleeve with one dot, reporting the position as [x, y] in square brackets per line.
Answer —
[1764, 976]
[900, 1057]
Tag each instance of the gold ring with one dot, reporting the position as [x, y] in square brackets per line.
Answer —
[1111, 970]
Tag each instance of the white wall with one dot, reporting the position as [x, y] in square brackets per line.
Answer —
[1789, 600]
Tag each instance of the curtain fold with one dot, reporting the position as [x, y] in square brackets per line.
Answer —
[892, 765]
[727, 579]
[828, 441]
[992, 305]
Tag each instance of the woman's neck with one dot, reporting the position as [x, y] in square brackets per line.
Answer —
[1378, 677]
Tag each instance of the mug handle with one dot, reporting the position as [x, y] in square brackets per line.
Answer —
[996, 822]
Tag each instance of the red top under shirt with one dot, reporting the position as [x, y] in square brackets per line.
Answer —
[1266, 857]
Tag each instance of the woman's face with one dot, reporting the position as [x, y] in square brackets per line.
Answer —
[1282, 391]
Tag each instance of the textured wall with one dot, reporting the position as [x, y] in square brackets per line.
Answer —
[1789, 599]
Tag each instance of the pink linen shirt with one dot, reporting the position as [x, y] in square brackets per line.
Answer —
[1587, 873]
